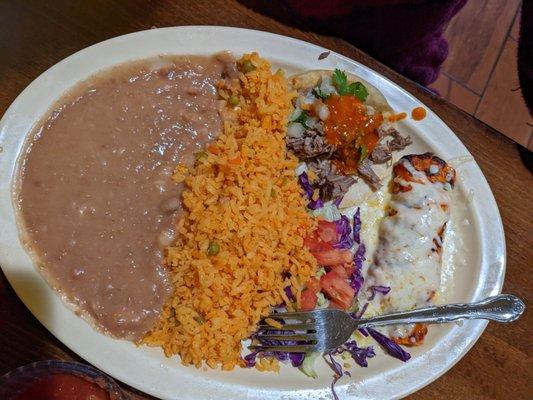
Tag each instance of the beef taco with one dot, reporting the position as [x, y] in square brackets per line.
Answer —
[341, 127]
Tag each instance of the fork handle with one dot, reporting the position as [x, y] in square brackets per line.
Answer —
[501, 308]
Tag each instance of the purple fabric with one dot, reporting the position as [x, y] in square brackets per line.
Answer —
[406, 35]
[525, 57]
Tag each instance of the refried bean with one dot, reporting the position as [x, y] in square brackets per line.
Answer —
[94, 193]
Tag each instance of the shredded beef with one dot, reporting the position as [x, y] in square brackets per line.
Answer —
[313, 148]
[331, 184]
[335, 186]
[381, 154]
[398, 141]
[322, 167]
[365, 170]
[386, 130]
[310, 145]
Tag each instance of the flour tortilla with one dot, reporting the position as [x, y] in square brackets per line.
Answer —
[310, 79]
[360, 191]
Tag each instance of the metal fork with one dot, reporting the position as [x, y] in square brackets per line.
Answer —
[327, 329]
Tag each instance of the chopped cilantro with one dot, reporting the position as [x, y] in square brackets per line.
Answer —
[302, 118]
[363, 152]
[340, 80]
[319, 93]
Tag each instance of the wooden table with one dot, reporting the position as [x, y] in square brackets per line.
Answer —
[34, 35]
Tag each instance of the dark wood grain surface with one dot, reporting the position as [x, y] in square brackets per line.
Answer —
[34, 35]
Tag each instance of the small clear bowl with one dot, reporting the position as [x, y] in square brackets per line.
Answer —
[17, 381]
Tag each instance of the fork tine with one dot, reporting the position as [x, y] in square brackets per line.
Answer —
[288, 327]
[301, 316]
[305, 336]
[288, 349]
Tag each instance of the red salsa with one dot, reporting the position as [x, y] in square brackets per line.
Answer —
[350, 129]
[64, 387]
[418, 113]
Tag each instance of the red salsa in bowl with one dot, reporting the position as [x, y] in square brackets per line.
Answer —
[58, 380]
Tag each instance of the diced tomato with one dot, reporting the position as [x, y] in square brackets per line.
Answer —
[349, 268]
[344, 270]
[327, 231]
[313, 243]
[314, 285]
[341, 271]
[309, 298]
[337, 289]
[332, 257]
[323, 237]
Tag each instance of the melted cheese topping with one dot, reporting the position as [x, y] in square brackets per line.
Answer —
[408, 257]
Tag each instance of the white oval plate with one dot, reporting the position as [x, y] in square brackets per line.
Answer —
[146, 368]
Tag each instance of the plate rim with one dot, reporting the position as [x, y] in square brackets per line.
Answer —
[198, 30]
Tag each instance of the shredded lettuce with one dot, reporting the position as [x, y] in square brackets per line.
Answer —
[363, 341]
[301, 168]
[321, 271]
[308, 365]
[322, 302]
[329, 212]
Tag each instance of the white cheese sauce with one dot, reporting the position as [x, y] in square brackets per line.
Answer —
[407, 257]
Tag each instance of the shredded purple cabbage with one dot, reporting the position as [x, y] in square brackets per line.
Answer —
[363, 332]
[306, 185]
[337, 368]
[308, 189]
[288, 292]
[348, 236]
[378, 289]
[315, 204]
[338, 201]
[359, 256]
[389, 345]
[359, 354]
[250, 359]
[359, 313]
[357, 280]
[344, 230]
[357, 226]
[296, 359]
